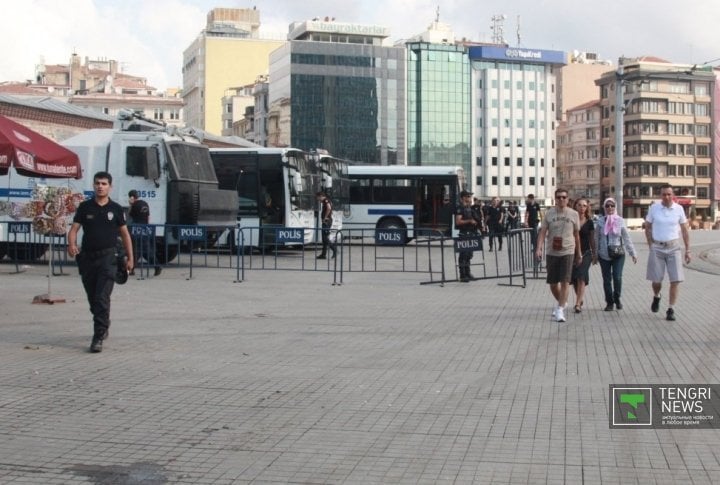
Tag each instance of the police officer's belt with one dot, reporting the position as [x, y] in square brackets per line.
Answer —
[98, 254]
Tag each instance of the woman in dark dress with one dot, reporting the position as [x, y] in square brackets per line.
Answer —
[581, 274]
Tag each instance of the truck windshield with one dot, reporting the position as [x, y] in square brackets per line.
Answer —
[191, 162]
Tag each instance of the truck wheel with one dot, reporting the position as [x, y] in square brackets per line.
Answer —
[26, 252]
[160, 255]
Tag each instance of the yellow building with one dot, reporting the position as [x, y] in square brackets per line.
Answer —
[227, 53]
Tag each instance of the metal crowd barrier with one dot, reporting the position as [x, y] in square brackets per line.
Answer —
[284, 249]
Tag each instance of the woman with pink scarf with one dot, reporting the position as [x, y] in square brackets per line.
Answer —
[610, 232]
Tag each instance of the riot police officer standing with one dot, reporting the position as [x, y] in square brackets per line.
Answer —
[468, 222]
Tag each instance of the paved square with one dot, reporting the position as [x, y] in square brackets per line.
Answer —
[286, 378]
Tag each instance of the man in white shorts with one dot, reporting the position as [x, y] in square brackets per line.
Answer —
[664, 224]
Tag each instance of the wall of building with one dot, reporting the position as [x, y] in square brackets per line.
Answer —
[229, 62]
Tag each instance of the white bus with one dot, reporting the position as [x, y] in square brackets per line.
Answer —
[276, 188]
[420, 199]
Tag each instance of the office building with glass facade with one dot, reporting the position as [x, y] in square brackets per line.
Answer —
[344, 89]
[513, 118]
[438, 100]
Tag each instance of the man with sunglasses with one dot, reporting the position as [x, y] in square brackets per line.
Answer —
[561, 228]
[665, 223]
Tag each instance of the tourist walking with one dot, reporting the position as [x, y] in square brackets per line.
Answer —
[560, 229]
[665, 223]
[581, 274]
[613, 243]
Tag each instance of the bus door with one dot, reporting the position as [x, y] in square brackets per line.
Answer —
[435, 207]
[248, 212]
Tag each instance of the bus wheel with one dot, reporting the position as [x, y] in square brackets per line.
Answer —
[394, 223]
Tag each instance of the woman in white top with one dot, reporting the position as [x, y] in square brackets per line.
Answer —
[610, 232]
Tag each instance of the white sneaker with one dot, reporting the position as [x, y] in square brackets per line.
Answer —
[554, 312]
[560, 314]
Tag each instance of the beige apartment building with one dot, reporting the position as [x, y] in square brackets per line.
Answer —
[667, 135]
[227, 54]
[576, 80]
[578, 168]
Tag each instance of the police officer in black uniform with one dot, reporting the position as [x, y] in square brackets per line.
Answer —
[102, 221]
[496, 222]
[532, 218]
[144, 245]
[468, 222]
[326, 213]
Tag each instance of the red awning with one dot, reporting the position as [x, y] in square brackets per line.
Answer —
[34, 155]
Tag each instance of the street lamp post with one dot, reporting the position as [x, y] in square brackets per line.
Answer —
[619, 132]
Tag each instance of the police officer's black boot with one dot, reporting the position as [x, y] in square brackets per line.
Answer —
[468, 274]
[464, 274]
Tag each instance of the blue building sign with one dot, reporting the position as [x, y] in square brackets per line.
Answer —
[517, 54]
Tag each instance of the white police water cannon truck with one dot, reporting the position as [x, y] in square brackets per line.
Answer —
[169, 167]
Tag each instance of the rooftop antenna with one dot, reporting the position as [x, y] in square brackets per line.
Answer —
[437, 14]
[498, 36]
[519, 41]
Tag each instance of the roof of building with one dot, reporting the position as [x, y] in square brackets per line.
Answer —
[20, 88]
[53, 104]
[586, 105]
[651, 59]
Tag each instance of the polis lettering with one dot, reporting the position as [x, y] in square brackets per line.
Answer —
[194, 233]
[19, 228]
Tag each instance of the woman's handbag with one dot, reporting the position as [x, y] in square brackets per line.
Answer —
[615, 252]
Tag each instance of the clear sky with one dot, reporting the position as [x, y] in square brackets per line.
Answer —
[148, 37]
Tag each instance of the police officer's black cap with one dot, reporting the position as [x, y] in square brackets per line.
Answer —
[121, 273]
[465, 193]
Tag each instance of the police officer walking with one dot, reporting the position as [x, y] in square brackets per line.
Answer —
[467, 222]
[102, 221]
[144, 245]
[326, 216]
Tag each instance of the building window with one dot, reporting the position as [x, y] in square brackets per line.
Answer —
[494, 180]
[702, 192]
[494, 161]
[532, 161]
[518, 161]
[478, 161]
[478, 181]
[507, 161]
[507, 181]
[158, 114]
[532, 181]
[518, 181]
